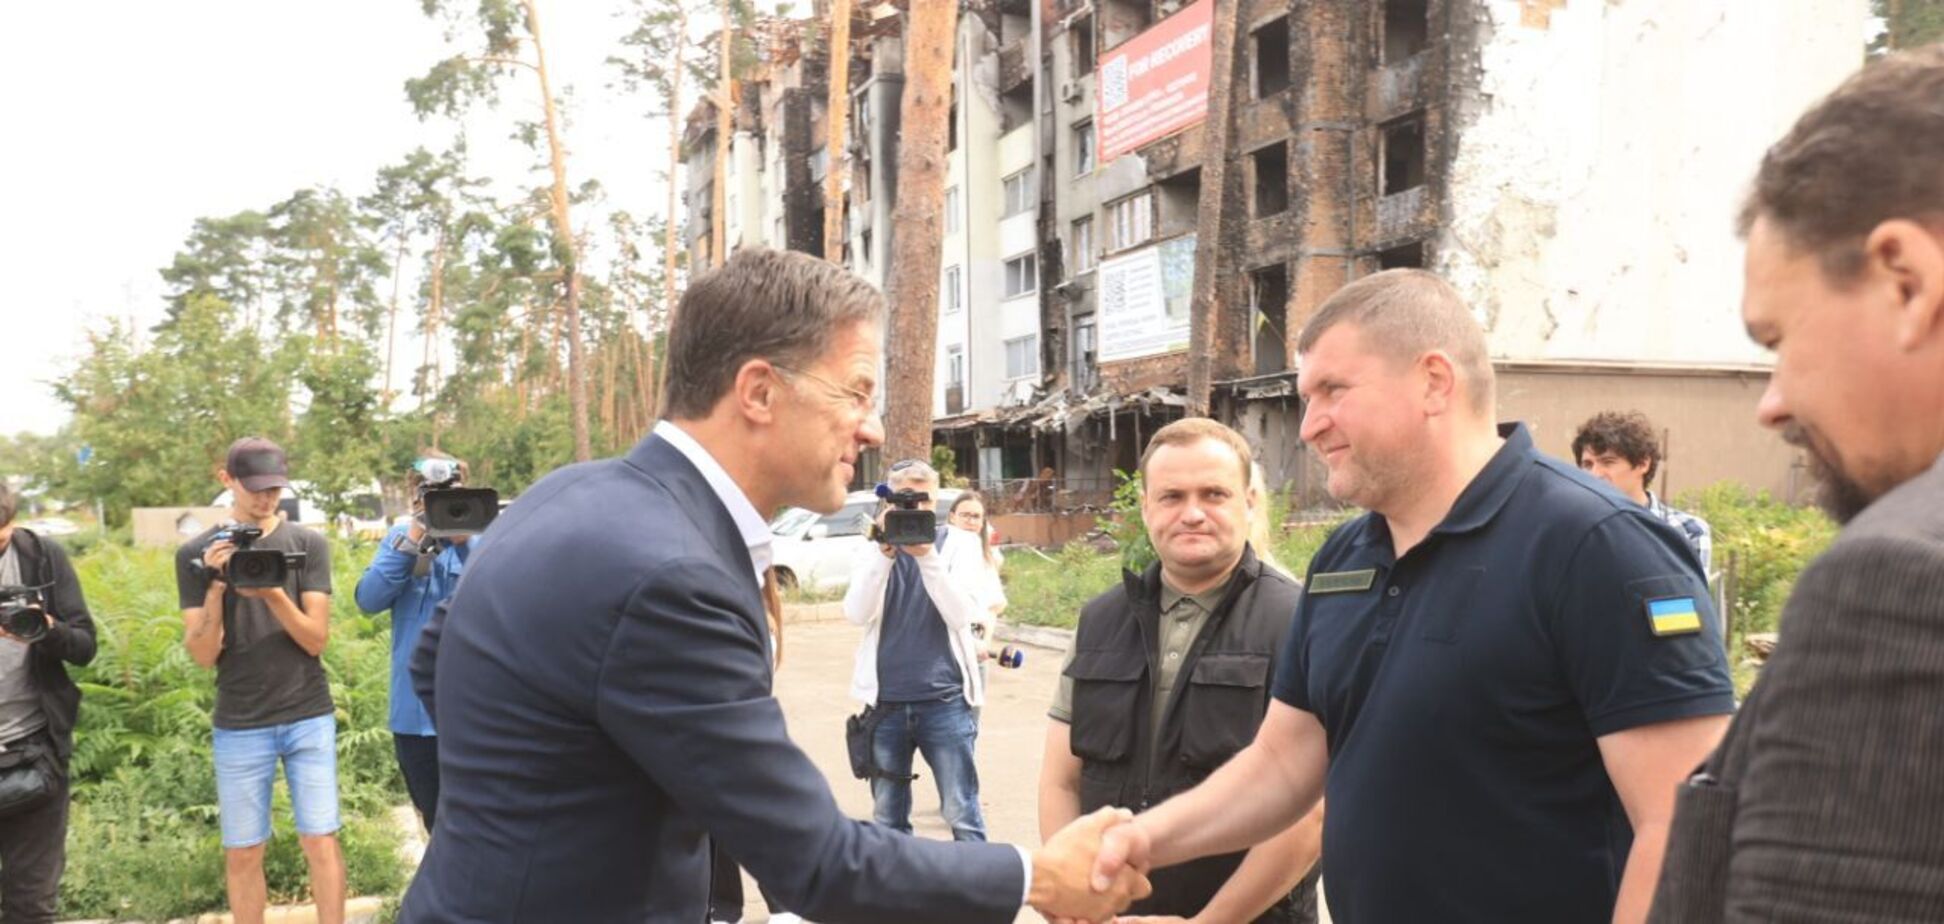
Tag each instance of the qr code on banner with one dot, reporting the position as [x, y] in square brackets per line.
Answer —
[1113, 83]
[1113, 292]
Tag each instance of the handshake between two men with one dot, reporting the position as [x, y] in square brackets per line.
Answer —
[1083, 875]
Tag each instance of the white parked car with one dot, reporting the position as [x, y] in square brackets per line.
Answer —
[814, 550]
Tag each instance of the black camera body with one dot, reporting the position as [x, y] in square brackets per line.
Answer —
[904, 523]
[22, 614]
[255, 568]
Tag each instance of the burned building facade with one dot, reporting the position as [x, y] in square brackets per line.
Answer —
[1570, 165]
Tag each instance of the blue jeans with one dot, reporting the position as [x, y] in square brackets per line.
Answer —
[246, 765]
[944, 731]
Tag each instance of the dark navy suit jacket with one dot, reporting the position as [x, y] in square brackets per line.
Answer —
[601, 686]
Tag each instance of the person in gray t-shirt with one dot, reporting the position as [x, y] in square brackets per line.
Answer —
[273, 704]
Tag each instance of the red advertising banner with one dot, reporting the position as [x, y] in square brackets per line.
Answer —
[1156, 83]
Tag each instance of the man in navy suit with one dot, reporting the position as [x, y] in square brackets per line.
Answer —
[601, 679]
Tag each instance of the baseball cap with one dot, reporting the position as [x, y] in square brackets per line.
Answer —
[258, 463]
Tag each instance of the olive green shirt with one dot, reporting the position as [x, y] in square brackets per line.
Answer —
[1182, 619]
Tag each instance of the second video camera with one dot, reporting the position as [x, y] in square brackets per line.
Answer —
[21, 613]
[904, 523]
[451, 510]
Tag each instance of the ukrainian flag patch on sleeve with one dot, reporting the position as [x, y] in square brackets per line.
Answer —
[1673, 616]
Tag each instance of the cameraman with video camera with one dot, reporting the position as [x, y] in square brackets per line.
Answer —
[917, 669]
[256, 606]
[43, 622]
[412, 573]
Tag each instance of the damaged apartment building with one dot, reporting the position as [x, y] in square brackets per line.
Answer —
[1572, 166]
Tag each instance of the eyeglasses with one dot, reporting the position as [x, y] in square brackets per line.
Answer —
[860, 401]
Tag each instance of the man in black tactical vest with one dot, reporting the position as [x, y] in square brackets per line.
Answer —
[1168, 677]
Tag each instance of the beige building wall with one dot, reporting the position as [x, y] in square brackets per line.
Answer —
[1707, 420]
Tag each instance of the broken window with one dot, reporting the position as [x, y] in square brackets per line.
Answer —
[1020, 193]
[1403, 156]
[954, 366]
[1179, 204]
[1081, 246]
[1083, 148]
[951, 129]
[1271, 180]
[1270, 52]
[951, 210]
[1022, 275]
[1407, 29]
[1121, 20]
[1016, 107]
[1130, 222]
[1268, 315]
[1081, 34]
[1084, 352]
[1407, 256]
[949, 296]
[1022, 357]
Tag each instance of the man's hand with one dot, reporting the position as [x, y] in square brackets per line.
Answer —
[1122, 847]
[415, 530]
[262, 593]
[216, 557]
[1062, 869]
[1153, 919]
[916, 551]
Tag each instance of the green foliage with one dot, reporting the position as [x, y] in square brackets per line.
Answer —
[1294, 547]
[945, 462]
[159, 417]
[1049, 591]
[1907, 23]
[1128, 527]
[143, 838]
[1768, 542]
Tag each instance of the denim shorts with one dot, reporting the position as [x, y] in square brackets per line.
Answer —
[246, 765]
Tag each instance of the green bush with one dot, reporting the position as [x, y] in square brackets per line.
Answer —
[1049, 590]
[143, 840]
[1763, 544]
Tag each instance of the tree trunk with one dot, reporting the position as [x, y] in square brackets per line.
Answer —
[725, 126]
[564, 228]
[1205, 308]
[912, 283]
[670, 234]
[836, 111]
[391, 322]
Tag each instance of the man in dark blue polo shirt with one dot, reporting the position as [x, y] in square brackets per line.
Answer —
[1500, 674]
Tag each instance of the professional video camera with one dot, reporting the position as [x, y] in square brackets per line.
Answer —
[451, 510]
[904, 523]
[250, 567]
[21, 613]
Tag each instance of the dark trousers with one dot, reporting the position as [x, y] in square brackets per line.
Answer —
[33, 854]
[725, 887]
[418, 760]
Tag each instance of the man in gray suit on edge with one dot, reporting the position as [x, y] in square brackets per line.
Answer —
[1826, 800]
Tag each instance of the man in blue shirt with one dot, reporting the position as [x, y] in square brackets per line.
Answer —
[917, 669]
[409, 576]
[1500, 674]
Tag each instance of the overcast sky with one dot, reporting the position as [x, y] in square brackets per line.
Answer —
[127, 120]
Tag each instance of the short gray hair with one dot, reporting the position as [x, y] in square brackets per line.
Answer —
[779, 305]
[909, 470]
[1404, 314]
